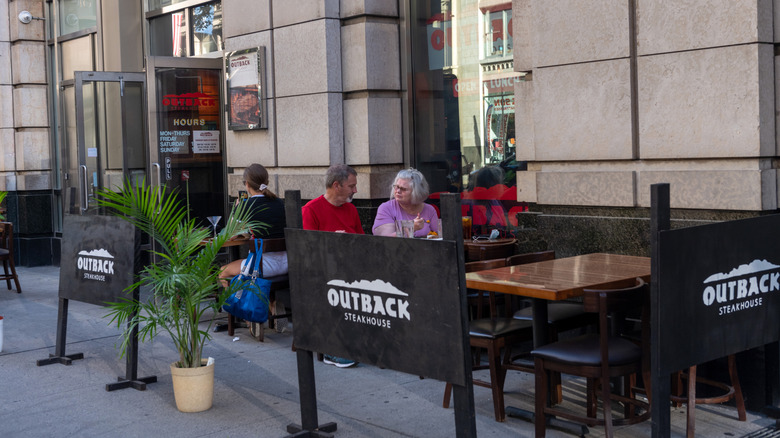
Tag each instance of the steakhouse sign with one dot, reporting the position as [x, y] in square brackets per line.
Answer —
[375, 295]
[720, 285]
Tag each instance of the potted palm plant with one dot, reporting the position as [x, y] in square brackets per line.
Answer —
[184, 281]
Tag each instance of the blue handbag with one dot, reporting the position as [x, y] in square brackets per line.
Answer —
[250, 301]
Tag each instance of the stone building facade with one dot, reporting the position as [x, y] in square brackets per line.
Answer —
[631, 93]
[605, 99]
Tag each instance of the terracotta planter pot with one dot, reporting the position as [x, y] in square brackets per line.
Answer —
[193, 388]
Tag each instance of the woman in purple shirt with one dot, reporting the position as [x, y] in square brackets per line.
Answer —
[407, 194]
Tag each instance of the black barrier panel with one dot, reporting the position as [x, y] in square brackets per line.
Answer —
[719, 290]
[382, 301]
[98, 258]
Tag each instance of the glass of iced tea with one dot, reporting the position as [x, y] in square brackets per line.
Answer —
[466, 227]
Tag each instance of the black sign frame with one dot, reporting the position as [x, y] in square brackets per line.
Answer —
[718, 284]
[382, 301]
[100, 258]
[457, 333]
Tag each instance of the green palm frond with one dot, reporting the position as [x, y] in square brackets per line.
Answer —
[184, 279]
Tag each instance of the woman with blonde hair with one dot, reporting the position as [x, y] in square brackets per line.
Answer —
[407, 196]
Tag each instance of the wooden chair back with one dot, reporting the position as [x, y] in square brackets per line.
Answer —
[612, 306]
[487, 250]
[479, 300]
[7, 255]
[579, 357]
[7, 237]
[483, 265]
[530, 257]
[274, 245]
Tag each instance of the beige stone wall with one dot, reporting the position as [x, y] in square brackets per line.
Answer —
[704, 102]
[25, 154]
[334, 91]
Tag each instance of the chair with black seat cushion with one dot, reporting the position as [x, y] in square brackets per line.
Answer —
[561, 316]
[494, 334]
[598, 358]
[7, 255]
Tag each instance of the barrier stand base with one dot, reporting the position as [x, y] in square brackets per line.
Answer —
[324, 431]
[139, 384]
[64, 360]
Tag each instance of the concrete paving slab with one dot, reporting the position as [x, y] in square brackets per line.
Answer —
[256, 386]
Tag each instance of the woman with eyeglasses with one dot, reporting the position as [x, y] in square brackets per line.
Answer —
[407, 196]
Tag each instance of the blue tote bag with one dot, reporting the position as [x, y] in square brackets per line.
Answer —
[250, 301]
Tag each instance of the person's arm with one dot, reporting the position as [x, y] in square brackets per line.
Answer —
[385, 230]
[309, 219]
[384, 223]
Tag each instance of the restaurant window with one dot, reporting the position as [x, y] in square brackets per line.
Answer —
[187, 31]
[76, 15]
[498, 33]
[463, 106]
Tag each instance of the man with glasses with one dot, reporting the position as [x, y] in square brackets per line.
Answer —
[335, 212]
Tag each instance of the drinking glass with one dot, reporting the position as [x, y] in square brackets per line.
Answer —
[214, 221]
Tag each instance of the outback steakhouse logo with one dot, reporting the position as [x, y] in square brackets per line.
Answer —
[188, 100]
[241, 61]
[97, 264]
[742, 288]
[376, 303]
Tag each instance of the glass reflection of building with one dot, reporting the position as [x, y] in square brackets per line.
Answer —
[464, 68]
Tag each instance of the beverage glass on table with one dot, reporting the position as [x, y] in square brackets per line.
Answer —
[466, 227]
[404, 228]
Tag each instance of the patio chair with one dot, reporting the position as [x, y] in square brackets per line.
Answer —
[493, 333]
[598, 358]
[7, 255]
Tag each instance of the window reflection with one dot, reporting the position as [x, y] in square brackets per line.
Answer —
[192, 31]
[463, 106]
[498, 33]
[207, 29]
[76, 15]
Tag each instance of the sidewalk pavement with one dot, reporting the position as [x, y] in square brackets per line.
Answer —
[256, 386]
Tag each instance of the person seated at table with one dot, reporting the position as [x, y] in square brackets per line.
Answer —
[407, 194]
[334, 212]
[265, 207]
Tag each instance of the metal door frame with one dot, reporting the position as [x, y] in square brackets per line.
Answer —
[152, 64]
[80, 78]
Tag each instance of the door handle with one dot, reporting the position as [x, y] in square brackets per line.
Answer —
[159, 179]
[84, 184]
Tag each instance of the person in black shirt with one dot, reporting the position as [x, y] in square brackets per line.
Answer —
[267, 208]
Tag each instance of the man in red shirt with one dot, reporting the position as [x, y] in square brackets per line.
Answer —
[334, 211]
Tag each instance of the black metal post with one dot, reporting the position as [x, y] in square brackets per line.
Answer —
[660, 218]
[59, 355]
[465, 419]
[307, 387]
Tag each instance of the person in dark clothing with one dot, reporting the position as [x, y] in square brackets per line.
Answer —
[267, 208]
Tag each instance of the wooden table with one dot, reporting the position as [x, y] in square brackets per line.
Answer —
[555, 280]
[560, 279]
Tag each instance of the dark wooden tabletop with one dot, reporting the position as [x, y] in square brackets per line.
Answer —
[563, 278]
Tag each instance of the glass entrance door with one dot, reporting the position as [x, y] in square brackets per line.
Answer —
[110, 142]
[185, 132]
